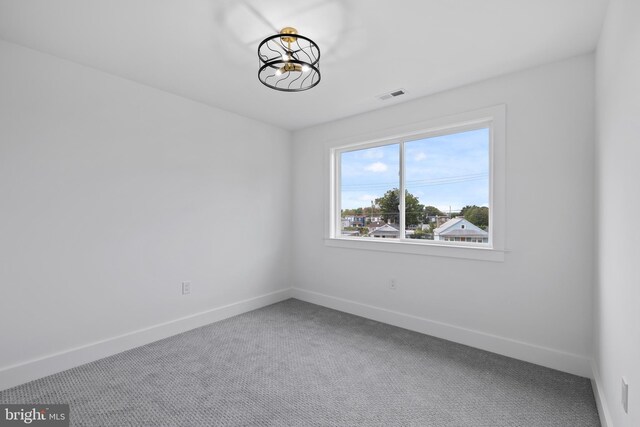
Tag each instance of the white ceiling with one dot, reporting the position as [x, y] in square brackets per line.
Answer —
[206, 49]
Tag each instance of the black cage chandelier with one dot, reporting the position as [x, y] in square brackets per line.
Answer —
[289, 62]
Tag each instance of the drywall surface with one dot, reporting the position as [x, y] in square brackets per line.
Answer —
[617, 293]
[540, 296]
[113, 193]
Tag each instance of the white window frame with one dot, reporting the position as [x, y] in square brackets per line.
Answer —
[493, 118]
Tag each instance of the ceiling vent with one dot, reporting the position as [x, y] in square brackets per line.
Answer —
[392, 94]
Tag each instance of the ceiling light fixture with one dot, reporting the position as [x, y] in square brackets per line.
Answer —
[288, 61]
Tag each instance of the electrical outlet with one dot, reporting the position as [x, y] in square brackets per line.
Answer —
[625, 395]
[186, 288]
[393, 284]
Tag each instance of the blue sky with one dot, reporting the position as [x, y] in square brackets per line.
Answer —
[443, 171]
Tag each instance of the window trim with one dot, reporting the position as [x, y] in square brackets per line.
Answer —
[492, 117]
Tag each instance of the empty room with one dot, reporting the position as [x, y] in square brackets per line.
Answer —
[319, 213]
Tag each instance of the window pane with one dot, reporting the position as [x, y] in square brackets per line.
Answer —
[447, 187]
[369, 181]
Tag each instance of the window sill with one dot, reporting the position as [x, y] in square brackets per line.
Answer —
[418, 248]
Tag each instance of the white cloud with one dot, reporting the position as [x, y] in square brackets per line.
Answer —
[377, 167]
[372, 153]
[420, 156]
[367, 198]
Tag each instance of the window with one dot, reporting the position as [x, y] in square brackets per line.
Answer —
[436, 187]
[442, 186]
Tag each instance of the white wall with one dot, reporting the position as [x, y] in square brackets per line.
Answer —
[617, 295]
[112, 193]
[535, 305]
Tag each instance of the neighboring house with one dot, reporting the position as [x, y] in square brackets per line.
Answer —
[354, 221]
[375, 224]
[386, 231]
[460, 230]
[436, 221]
[440, 220]
[358, 221]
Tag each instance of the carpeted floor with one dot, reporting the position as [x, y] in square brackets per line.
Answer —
[298, 364]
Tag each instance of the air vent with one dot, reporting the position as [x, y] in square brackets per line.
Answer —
[392, 94]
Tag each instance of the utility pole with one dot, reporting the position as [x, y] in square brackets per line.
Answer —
[371, 220]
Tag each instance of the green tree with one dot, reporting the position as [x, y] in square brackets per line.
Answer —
[390, 207]
[477, 215]
[431, 211]
[418, 234]
[370, 211]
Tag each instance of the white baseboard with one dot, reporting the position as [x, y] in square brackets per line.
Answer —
[555, 359]
[598, 393]
[13, 375]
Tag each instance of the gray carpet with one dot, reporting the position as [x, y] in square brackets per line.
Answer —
[298, 364]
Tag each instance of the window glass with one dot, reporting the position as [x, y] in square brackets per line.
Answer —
[447, 186]
[369, 182]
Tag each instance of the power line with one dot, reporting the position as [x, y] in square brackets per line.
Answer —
[423, 182]
[355, 188]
